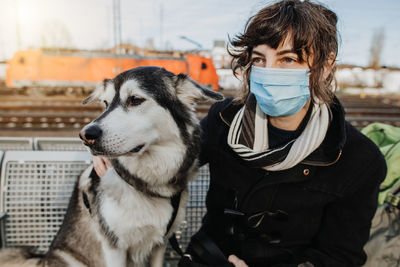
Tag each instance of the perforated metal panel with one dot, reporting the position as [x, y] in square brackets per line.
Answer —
[2, 214]
[58, 144]
[35, 191]
[16, 143]
[36, 188]
[195, 210]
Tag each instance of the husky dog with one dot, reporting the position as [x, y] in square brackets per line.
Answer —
[150, 133]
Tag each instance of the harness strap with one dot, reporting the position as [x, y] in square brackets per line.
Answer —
[173, 241]
[202, 245]
[175, 205]
[207, 250]
[204, 248]
[135, 182]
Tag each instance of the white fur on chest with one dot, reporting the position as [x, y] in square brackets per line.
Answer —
[136, 219]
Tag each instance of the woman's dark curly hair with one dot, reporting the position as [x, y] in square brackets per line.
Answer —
[311, 26]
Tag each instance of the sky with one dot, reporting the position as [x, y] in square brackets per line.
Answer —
[88, 24]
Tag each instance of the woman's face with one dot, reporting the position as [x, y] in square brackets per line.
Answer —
[283, 57]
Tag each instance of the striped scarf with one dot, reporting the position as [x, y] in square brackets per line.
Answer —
[248, 137]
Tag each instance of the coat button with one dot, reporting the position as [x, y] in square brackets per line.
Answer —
[306, 172]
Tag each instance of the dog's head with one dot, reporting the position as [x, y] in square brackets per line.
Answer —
[143, 107]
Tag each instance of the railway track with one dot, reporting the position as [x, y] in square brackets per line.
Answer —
[361, 111]
[68, 114]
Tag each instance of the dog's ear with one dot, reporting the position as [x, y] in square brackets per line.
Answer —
[189, 91]
[99, 89]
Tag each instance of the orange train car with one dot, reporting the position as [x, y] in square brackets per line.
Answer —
[37, 68]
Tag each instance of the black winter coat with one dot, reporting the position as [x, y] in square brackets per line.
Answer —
[319, 211]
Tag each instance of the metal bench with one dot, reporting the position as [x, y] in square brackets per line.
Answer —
[194, 211]
[36, 187]
[58, 144]
[2, 214]
[35, 190]
[16, 143]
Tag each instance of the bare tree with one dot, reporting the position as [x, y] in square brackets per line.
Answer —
[376, 48]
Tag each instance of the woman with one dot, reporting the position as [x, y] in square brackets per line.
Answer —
[292, 183]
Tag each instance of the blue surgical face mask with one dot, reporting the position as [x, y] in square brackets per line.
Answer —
[280, 92]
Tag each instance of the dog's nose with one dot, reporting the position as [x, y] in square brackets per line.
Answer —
[90, 133]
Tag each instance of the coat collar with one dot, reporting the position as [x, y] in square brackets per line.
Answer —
[229, 111]
[329, 152]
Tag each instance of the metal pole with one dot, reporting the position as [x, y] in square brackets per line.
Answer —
[17, 30]
[117, 35]
[161, 26]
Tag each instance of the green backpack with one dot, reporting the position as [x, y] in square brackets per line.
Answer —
[387, 138]
[383, 247]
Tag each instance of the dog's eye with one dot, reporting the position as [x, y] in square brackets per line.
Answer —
[105, 103]
[135, 101]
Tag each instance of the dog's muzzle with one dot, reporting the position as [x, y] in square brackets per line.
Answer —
[90, 133]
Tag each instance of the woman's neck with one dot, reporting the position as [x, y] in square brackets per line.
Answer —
[290, 123]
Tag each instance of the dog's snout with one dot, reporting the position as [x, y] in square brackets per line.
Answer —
[90, 134]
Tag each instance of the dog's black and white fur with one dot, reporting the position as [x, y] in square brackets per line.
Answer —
[151, 135]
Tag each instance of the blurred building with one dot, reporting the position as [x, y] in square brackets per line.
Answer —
[126, 49]
[222, 62]
[129, 49]
[383, 80]
[220, 56]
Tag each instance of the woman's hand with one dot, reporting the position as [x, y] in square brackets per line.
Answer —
[236, 261]
[100, 165]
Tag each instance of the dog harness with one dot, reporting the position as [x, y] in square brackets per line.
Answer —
[141, 185]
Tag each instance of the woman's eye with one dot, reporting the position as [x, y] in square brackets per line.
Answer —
[289, 60]
[257, 61]
[105, 103]
[135, 101]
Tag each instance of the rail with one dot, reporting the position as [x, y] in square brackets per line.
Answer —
[68, 114]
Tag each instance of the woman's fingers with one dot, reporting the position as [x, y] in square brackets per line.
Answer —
[236, 261]
[100, 165]
[108, 163]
